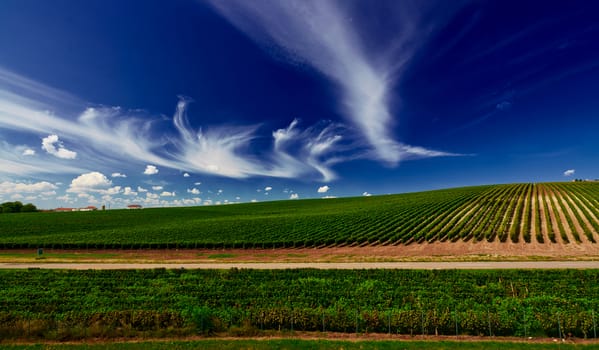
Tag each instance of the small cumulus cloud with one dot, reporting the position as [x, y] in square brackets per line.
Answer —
[186, 175]
[141, 189]
[112, 190]
[151, 170]
[569, 172]
[323, 189]
[54, 146]
[267, 188]
[197, 183]
[193, 191]
[329, 197]
[28, 152]
[167, 194]
[128, 191]
[294, 196]
[89, 182]
[254, 200]
[118, 175]
[366, 194]
[157, 188]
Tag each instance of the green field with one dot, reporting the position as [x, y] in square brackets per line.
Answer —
[553, 212]
[306, 345]
[63, 305]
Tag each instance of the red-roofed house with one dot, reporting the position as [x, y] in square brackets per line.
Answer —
[134, 206]
[65, 209]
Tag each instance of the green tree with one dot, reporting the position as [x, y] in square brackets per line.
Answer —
[28, 208]
[12, 207]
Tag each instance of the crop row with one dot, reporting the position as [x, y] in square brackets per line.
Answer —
[408, 302]
[545, 213]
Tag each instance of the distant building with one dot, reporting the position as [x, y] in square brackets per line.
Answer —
[134, 206]
[88, 208]
[65, 209]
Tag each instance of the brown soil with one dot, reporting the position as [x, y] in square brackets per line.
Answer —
[274, 335]
[436, 251]
[582, 210]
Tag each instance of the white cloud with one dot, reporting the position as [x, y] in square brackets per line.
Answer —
[167, 194]
[366, 194]
[118, 175]
[294, 196]
[14, 164]
[38, 187]
[141, 189]
[89, 182]
[54, 146]
[151, 170]
[29, 152]
[186, 175]
[112, 190]
[151, 195]
[157, 188]
[109, 136]
[65, 198]
[267, 188]
[197, 183]
[569, 172]
[128, 191]
[193, 191]
[322, 35]
[329, 197]
[323, 189]
[254, 200]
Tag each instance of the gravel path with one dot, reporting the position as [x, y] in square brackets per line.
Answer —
[473, 265]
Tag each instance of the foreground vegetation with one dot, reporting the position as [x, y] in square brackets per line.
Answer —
[306, 344]
[63, 305]
[560, 212]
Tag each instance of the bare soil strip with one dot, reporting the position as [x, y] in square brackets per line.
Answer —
[436, 251]
[446, 265]
[333, 336]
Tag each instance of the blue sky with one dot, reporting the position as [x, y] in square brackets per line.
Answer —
[167, 103]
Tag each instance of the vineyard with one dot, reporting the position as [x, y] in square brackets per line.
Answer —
[54, 304]
[565, 213]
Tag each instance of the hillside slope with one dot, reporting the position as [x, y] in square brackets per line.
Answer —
[565, 213]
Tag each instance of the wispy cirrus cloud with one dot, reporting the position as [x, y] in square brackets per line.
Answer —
[321, 34]
[108, 137]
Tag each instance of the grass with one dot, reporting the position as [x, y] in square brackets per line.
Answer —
[303, 344]
[222, 256]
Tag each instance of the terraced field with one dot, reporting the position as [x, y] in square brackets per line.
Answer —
[562, 213]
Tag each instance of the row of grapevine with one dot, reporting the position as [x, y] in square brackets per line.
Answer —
[530, 213]
[509, 303]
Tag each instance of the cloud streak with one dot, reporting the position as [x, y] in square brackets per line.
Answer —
[111, 137]
[320, 34]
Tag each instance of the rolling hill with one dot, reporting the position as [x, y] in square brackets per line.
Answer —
[564, 213]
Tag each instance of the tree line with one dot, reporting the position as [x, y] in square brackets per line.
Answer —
[17, 207]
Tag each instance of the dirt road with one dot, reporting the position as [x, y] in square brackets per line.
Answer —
[448, 265]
